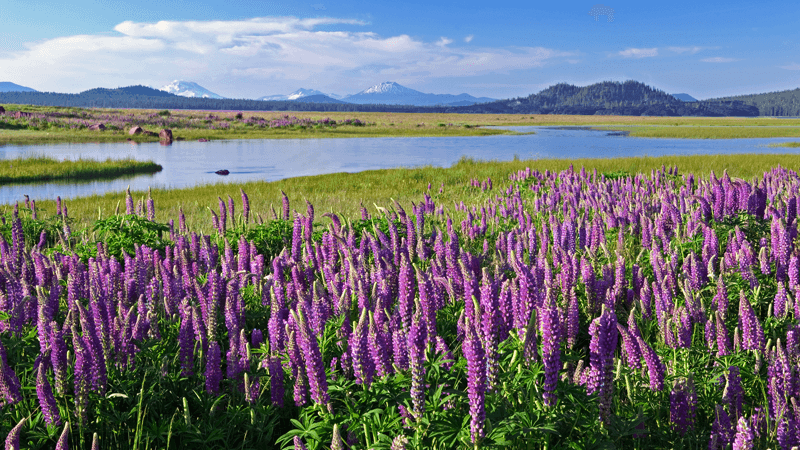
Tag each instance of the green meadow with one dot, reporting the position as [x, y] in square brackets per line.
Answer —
[345, 193]
[42, 168]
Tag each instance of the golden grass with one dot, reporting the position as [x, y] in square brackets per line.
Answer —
[709, 132]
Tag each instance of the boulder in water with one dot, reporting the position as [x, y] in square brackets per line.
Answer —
[165, 135]
[222, 172]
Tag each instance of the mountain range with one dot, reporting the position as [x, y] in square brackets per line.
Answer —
[387, 93]
[628, 98]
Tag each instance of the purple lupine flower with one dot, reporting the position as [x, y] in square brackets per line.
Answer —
[359, 351]
[151, 209]
[275, 371]
[476, 376]
[213, 370]
[379, 347]
[400, 443]
[186, 342]
[551, 347]
[655, 367]
[733, 393]
[724, 345]
[223, 217]
[298, 443]
[779, 303]
[315, 369]
[63, 440]
[45, 395]
[297, 365]
[721, 430]
[10, 388]
[683, 405]
[336, 442]
[245, 206]
[285, 202]
[12, 439]
[752, 333]
[744, 435]
[417, 340]
[603, 331]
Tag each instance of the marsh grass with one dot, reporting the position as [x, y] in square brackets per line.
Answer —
[344, 193]
[41, 168]
[710, 132]
[786, 144]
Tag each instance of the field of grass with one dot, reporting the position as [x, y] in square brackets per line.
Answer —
[786, 144]
[345, 192]
[26, 170]
[710, 132]
[53, 124]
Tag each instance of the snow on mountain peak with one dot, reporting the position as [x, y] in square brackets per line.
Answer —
[388, 87]
[189, 89]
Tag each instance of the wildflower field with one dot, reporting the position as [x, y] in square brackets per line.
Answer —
[569, 309]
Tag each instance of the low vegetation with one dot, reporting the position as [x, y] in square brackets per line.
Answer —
[27, 170]
[711, 132]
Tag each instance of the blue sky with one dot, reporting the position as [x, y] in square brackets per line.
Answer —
[246, 49]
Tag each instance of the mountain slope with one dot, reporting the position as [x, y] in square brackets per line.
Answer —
[189, 89]
[7, 86]
[779, 103]
[391, 93]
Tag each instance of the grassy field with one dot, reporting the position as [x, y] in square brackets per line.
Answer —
[53, 124]
[345, 192]
[786, 144]
[25, 170]
[709, 132]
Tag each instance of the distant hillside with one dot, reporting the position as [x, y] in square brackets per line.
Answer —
[7, 86]
[138, 90]
[630, 98]
[780, 103]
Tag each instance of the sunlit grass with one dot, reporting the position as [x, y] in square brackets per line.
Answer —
[25, 170]
[710, 132]
[344, 193]
[786, 144]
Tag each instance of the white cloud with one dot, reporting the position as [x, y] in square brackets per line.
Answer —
[639, 52]
[469, 38]
[682, 50]
[247, 58]
[443, 42]
[718, 59]
[792, 66]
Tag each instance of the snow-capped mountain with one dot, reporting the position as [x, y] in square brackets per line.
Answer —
[298, 94]
[391, 93]
[7, 86]
[189, 89]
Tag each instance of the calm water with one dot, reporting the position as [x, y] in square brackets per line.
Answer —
[188, 164]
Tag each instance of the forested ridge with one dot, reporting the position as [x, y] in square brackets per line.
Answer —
[779, 103]
[606, 98]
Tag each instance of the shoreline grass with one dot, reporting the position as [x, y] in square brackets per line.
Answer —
[786, 144]
[344, 193]
[707, 132]
[26, 170]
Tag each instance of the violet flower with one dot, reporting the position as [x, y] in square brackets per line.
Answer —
[12, 439]
[475, 355]
[416, 356]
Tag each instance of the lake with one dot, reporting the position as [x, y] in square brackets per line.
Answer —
[189, 163]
